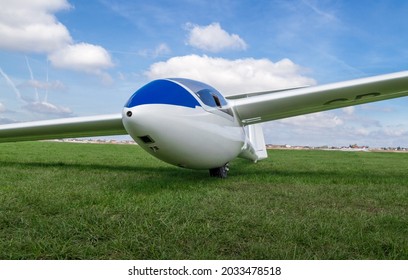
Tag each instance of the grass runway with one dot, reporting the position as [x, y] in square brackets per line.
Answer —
[88, 201]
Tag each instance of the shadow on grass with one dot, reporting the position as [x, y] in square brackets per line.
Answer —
[150, 179]
[137, 178]
[270, 175]
[80, 166]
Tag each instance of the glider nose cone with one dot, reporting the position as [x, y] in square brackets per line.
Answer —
[184, 137]
[136, 121]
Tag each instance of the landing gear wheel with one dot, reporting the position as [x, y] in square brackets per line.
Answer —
[219, 172]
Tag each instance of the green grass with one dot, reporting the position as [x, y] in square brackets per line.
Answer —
[87, 201]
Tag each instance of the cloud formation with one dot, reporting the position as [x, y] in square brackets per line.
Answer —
[44, 107]
[34, 105]
[233, 76]
[31, 27]
[337, 127]
[160, 50]
[317, 120]
[82, 57]
[213, 38]
[50, 85]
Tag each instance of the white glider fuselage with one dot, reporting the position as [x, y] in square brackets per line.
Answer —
[184, 123]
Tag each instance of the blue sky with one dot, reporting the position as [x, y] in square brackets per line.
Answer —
[76, 58]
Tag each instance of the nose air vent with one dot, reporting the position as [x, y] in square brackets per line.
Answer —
[154, 148]
[146, 139]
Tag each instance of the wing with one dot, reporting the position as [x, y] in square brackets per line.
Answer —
[63, 128]
[265, 106]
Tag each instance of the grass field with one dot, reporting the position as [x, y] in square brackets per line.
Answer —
[88, 201]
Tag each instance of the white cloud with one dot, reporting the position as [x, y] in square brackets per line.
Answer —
[50, 85]
[233, 76]
[160, 50]
[385, 136]
[37, 106]
[82, 57]
[349, 110]
[395, 131]
[316, 120]
[44, 107]
[334, 128]
[213, 38]
[30, 26]
[2, 108]
[362, 131]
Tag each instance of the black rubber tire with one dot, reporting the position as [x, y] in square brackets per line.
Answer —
[219, 172]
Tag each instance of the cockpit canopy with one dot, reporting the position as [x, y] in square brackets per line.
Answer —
[174, 92]
[207, 94]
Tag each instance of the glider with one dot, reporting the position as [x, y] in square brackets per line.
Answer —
[190, 124]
